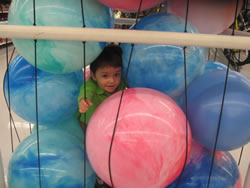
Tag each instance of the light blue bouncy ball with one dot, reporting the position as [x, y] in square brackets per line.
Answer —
[205, 95]
[213, 66]
[70, 126]
[161, 67]
[56, 93]
[225, 172]
[61, 162]
[59, 56]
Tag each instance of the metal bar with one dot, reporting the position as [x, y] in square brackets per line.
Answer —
[125, 36]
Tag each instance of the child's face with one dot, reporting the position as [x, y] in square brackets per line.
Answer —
[108, 78]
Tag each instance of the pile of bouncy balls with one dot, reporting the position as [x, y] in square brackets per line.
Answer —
[157, 131]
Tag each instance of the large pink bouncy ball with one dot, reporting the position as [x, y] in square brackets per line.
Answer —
[208, 16]
[131, 5]
[204, 105]
[149, 145]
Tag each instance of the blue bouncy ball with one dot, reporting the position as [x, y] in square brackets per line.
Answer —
[225, 172]
[61, 162]
[213, 66]
[161, 67]
[59, 56]
[56, 93]
[179, 99]
[70, 126]
[205, 96]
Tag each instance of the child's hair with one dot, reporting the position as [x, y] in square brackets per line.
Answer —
[110, 56]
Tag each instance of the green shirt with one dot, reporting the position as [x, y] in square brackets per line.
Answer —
[96, 95]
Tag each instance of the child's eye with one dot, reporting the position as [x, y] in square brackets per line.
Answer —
[118, 75]
[104, 75]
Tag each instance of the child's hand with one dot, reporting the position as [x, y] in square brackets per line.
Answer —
[84, 105]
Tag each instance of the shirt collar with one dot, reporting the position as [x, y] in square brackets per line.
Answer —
[100, 91]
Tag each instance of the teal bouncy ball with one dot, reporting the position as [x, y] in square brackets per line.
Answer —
[59, 56]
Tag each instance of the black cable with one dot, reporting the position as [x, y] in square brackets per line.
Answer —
[117, 116]
[12, 54]
[218, 128]
[120, 102]
[186, 17]
[83, 18]
[235, 15]
[186, 98]
[137, 14]
[7, 76]
[186, 109]
[222, 106]
[232, 54]
[241, 152]
[36, 98]
[85, 93]
[37, 120]
[34, 12]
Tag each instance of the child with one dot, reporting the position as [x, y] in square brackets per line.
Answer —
[105, 80]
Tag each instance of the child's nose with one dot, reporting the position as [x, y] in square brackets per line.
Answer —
[112, 79]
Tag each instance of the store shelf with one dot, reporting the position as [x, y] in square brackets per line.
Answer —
[3, 22]
[3, 42]
[4, 10]
[126, 21]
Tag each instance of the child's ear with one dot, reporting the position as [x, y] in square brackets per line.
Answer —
[92, 75]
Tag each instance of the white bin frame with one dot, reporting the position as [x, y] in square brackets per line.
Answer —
[127, 36]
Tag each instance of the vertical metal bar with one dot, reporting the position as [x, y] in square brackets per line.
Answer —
[2, 180]
[247, 178]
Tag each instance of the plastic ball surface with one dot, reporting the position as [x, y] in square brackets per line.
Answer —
[210, 16]
[161, 67]
[150, 140]
[70, 126]
[131, 5]
[225, 172]
[213, 66]
[61, 162]
[59, 56]
[56, 93]
[205, 96]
